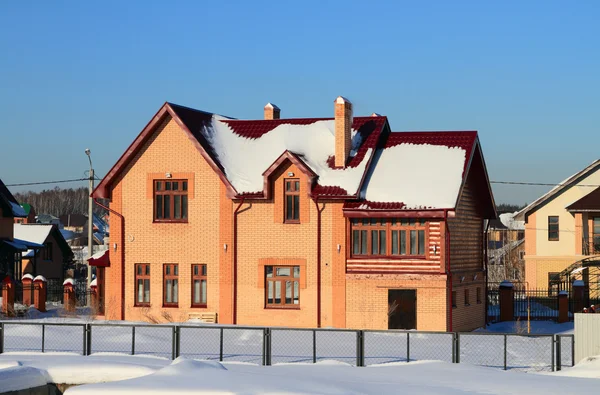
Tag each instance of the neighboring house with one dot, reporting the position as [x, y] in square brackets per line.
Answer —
[562, 232]
[48, 261]
[99, 230]
[10, 247]
[48, 219]
[506, 249]
[73, 222]
[30, 212]
[312, 222]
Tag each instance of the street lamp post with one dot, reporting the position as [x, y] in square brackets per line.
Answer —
[90, 222]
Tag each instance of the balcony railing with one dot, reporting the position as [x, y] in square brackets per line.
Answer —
[591, 247]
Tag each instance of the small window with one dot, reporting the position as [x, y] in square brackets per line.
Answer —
[47, 252]
[553, 228]
[198, 285]
[170, 200]
[453, 298]
[170, 284]
[467, 301]
[478, 295]
[292, 200]
[282, 286]
[142, 281]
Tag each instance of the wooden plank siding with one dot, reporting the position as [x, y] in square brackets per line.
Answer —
[466, 233]
[396, 265]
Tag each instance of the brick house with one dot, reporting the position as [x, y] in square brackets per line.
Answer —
[10, 248]
[329, 222]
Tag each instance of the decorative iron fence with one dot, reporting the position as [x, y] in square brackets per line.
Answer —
[269, 346]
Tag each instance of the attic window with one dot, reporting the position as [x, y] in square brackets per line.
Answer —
[292, 200]
[170, 200]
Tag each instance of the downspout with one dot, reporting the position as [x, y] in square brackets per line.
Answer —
[235, 214]
[122, 254]
[316, 200]
[485, 261]
[448, 271]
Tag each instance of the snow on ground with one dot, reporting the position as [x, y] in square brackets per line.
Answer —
[589, 367]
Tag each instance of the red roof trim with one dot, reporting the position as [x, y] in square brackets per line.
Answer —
[102, 190]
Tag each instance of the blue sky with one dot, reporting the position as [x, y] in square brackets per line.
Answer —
[525, 74]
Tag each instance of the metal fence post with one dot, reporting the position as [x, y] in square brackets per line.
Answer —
[88, 331]
[572, 350]
[457, 348]
[407, 346]
[173, 341]
[360, 348]
[1, 337]
[314, 333]
[84, 340]
[552, 351]
[267, 347]
[43, 337]
[221, 344]
[178, 342]
[558, 352]
[133, 340]
[505, 341]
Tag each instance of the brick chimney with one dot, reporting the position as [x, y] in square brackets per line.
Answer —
[343, 130]
[272, 111]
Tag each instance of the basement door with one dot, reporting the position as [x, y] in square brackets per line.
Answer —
[402, 309]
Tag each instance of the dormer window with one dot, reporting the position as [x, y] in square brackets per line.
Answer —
[292, 200]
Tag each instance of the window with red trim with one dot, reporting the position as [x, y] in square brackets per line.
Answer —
[292, 200]
[198, 285]
[142, 284]
[170, 200]
[170, 284]
[388, 237]
[282, 286]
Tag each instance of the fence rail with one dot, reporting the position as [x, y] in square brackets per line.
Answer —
[267, 346]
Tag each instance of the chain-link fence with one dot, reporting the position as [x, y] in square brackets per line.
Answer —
[266, 346]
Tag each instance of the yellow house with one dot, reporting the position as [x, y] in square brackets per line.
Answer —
[562, 232]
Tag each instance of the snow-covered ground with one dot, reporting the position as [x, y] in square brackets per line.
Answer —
[118, 374]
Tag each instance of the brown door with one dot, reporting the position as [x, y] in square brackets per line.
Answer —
[402, 309]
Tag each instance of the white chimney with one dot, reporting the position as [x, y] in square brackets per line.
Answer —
[272, 111]
[343, 130]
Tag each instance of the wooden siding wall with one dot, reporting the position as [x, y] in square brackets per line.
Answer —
[430, 265]
[466, 232]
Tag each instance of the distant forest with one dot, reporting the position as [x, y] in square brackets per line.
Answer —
[508, 208]
[58, 201]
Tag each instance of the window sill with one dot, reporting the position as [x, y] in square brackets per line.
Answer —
[169, 221]
[141, 305]
[291, 222]
[170, 306]
[198, 306]
[282, 307]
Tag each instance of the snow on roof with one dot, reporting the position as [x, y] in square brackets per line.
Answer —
[40, 278]
[37, 233]
[94, 283]
[244, 160]
[99, 254]
[28, 253]
[69, 281]
[27, 276]
[420, 176]
[508, 220]
[17, 210]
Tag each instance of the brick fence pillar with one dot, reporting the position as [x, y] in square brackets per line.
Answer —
[69, 294]
[563, 306]
[27, 281]
[507, 301]
[8, 296]
[40, 291]
[94, 297]
[578, 296]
